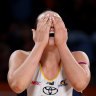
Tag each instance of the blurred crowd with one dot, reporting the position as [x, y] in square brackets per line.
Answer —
[18, 17]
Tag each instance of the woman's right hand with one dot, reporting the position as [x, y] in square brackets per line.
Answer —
[41, 34]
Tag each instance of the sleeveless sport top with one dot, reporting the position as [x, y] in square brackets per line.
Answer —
[41, 86]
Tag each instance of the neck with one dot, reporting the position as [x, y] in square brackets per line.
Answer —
[50, 58]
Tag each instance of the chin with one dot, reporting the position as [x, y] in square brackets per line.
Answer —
[51, 41]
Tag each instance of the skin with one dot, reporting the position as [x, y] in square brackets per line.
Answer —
[48, 51]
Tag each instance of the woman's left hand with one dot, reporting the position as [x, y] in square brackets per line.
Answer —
[60, 31]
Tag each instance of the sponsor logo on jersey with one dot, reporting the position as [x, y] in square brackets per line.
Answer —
[48, 90]
[63, 83]
[36, 82]
[50, 83]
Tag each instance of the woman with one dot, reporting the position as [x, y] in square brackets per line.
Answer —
[50, 68]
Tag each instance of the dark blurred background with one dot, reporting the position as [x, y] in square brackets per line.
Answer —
[17, 18]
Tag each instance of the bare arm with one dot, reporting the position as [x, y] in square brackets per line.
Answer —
[78, 75]
[22, 67]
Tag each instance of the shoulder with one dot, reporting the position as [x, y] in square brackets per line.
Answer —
[81, 56]
[18, 55]
[79, 53]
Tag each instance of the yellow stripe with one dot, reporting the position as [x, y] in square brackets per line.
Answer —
[82, 93]
[44, 75]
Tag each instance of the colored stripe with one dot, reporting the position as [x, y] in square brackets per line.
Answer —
[82, 63]
[44, 75]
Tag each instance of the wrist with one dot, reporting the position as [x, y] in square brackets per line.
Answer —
[40, 45]
[64, 45]
[61, 44]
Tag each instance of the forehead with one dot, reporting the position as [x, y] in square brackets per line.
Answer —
[51, 13]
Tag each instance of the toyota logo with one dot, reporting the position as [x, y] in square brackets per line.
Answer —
[50, 90]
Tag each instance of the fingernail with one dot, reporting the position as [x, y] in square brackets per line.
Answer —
[47, 15]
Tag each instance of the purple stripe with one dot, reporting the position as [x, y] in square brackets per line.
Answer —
[82, 63]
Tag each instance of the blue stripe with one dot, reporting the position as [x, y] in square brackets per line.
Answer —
[24, 93]
[75, 93]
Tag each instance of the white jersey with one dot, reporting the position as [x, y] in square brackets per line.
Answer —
[41, 86]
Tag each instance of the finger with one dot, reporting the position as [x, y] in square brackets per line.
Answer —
[46, 27]
[48, 24]
[43, 19]
[45, 23]
[57, 22]
[46, 19]
[42, 22]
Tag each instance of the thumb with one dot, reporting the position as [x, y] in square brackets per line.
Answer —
[33, 30]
